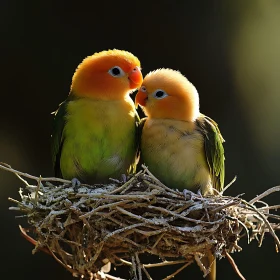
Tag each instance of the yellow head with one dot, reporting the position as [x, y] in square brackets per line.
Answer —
[107, 75]
[167, 94]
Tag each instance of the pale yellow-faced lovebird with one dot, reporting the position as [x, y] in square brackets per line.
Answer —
[181, 147]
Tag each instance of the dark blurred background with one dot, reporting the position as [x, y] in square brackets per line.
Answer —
[230, 50]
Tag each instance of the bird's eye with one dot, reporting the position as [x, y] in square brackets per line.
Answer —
[143, 89]
[159, 94]
[116, 71]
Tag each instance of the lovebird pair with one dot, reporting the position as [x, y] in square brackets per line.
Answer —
[97, 132]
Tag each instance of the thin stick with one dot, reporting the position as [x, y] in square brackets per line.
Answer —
[272, 232]
[165, 263]
[49, 179]
[37, 190]
[137, 217]
[109, 235]
[99, 208]
[229, 184]
[158, 239]
[176, 272]
[264, 194]
[60, 262]
[139, 266]
[157, 180]
[163, 210]
[134, 268]
[233, 264]
[123, 261]
[125, 184]
[225, 206]
[200, 264]
[147, 273]
[270, 207]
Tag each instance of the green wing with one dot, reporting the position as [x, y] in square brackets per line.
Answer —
[139, 128]
[214, 150]
[57, 136]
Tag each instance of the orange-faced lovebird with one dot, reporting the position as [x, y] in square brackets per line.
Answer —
[94, 129]
[181, 147]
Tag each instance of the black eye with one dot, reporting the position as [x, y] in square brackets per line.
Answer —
[116, 71]
[159, 94]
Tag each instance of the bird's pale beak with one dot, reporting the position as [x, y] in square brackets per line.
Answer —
[141, 98]
[135, 78]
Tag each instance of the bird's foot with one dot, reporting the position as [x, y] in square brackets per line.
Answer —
[199, 192]
[187, 194]
[75, 183]
[123, 178]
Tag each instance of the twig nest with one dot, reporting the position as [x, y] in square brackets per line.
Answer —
[87, 227]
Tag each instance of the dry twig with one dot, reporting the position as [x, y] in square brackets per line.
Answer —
[85, 228]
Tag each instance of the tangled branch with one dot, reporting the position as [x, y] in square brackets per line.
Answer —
[87, 228]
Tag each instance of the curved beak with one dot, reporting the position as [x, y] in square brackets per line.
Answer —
[141, 98]
[135, 78]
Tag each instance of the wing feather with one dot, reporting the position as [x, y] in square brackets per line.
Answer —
[214, 150]
[57, 136]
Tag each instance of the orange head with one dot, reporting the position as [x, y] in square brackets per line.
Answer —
[167, 94]
[107, 75]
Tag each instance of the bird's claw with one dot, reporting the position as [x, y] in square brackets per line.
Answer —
[199, 192]
[75, 183]
[123, 178]
[187, 194]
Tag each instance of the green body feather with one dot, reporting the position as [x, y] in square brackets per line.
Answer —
[93, 140]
